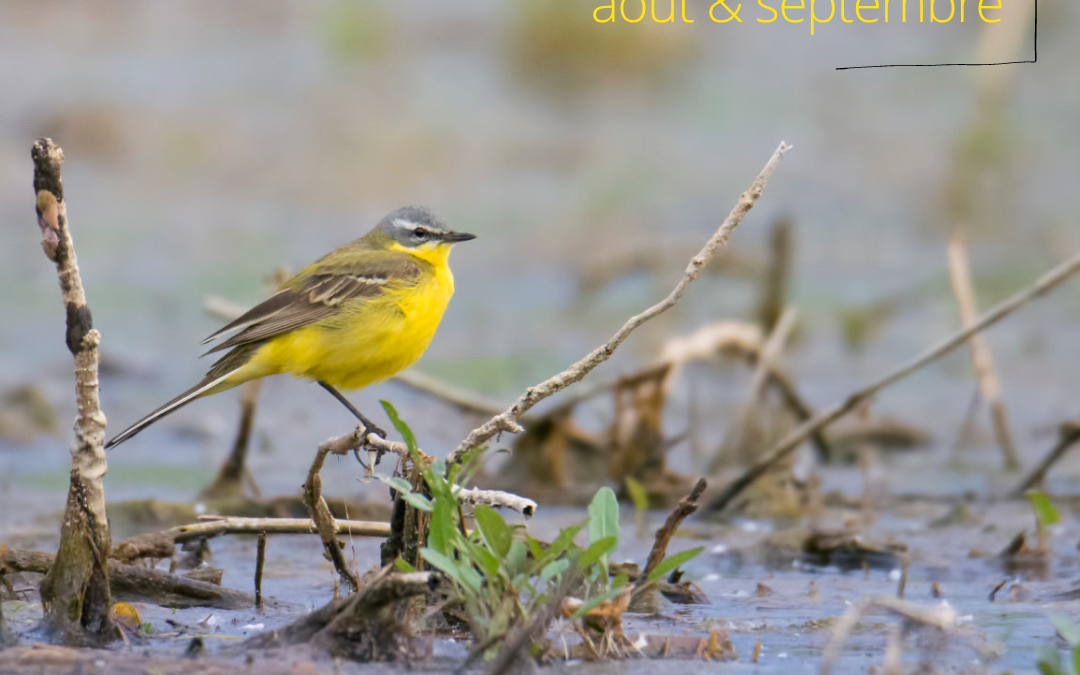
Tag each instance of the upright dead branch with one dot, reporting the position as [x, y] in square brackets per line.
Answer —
[75, 592]
[774, 288]
[508, 419]
[798, 436]
[960, 273]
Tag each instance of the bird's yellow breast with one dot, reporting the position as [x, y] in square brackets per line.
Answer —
[371, 339]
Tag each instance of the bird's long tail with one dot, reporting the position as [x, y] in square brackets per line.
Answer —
[220, 377]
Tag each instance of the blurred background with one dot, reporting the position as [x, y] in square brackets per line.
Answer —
[209, 143]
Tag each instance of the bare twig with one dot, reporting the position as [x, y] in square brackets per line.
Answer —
[792, 441]
[508, 419]
[960, 273]
[475, 496]
[1069, 435]
[260, 561]
[324, 520]
[686, 507]
[75, 592]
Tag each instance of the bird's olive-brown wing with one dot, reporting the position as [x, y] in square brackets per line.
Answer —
[319, 295]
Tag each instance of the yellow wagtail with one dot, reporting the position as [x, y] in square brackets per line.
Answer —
[354, 317]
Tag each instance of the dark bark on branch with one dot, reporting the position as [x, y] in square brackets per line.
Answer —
[364, 626]
[75, 592]
[133, 583]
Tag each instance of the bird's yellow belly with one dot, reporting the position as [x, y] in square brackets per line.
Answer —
[365, 344]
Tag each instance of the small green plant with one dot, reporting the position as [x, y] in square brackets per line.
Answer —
[1045, 514]
[641, 504]
[501, 577]
[1049, 659]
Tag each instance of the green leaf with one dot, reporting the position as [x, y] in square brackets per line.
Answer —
[1076, 659]
[469, 576]
[403, 565]
[441, 529]
[516, 557]
[604, 520]
[496, 533]
[484, 558]
[443, 563]
[1068, 630]
[673, 562]
[534, 547]
[1044, 510]
[637, 494]
[604, 515]
[396, 483]
[597, 552]
[417, 501]
[1049, 661]
[399, 424]
[554, 570]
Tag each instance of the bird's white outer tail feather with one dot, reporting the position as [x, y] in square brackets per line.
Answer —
[171, 406]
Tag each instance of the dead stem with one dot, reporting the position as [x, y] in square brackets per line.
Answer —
[960, 274]
[75, 592]
[785, 447]
[508, 419]
[260, 562]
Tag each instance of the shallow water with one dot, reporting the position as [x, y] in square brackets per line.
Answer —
[208, 145]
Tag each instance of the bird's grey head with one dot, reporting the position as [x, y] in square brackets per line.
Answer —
[416, 226]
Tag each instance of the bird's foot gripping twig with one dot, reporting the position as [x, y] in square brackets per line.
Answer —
[369, 426]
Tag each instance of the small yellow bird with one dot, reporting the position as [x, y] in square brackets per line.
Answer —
[354, 317]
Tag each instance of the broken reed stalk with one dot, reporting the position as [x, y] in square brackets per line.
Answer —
[508, 419]
[960, 274]
[260, 561]
[797, 437]
[75, 592]
[324, 520]
[229, 481]
[1068, 436]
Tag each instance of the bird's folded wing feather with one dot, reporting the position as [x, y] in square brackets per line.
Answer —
[308, 298]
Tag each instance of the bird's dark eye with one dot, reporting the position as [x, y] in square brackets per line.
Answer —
[420, 233]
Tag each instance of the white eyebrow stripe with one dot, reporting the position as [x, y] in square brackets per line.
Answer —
[403, 224]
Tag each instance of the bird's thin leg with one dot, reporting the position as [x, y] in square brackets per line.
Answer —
[370, 426]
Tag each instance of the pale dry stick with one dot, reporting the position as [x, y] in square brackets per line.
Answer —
[508, 419]
[75, 591]
[359, 439]
[960, 274]
[797, 437]
[942, 618]
[213, 526]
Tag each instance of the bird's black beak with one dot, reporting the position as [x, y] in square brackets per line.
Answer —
[455, 237]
